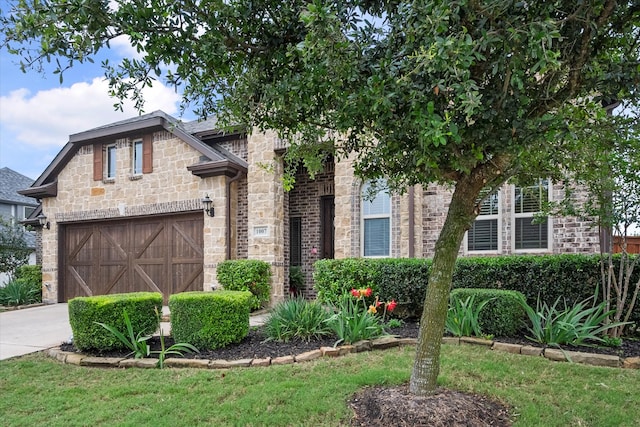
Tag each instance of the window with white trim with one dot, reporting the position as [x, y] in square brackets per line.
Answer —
[530, 231]
[376, 223]
[484, 236]
[110, 163]
[136, 158]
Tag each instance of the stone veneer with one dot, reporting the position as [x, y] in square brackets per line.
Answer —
[265, 206]
[169, 189]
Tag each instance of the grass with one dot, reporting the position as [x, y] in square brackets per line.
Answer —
[36, 390]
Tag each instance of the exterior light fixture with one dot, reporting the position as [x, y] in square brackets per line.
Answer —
[207, 204]
[42, 220]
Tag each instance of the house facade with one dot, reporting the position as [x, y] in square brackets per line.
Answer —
[15, 207]
[123, 211]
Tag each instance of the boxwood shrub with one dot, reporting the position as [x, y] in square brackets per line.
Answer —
[247, 275]
[142, 308]
[502, 316]
[573, 277]
[210, 320]
[402, 279]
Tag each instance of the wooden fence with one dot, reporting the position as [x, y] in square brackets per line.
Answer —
[633, 245]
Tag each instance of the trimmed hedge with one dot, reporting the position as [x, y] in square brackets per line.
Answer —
[574, 277]
[210, 320]
[247, 275]
[402, 279]
[143, 309]
[503, 316]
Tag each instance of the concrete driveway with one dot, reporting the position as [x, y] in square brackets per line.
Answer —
[33, 329]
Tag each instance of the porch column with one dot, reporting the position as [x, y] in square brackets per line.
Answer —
[265, 193]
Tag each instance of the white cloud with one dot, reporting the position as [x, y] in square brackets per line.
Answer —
[48, 117]
[122, 46]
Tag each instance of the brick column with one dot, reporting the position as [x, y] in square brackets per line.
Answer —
[266, 209]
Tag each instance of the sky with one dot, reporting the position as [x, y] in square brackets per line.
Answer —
[38, 113]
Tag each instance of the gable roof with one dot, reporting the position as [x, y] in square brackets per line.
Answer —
[216, 161]
[12, 181]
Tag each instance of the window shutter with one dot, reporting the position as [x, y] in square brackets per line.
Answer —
[97, 162]
[147, 154]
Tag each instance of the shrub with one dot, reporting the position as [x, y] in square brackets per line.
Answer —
[503, 314]
[210, 320]
[26, 288]
[572, 276]
[296, 280]
[351, 322]
[402, 279]
[31, 274]
[20, 292]
[297, 318]
[86, 312]
[571, 325]
[462, 316]
[247, 275]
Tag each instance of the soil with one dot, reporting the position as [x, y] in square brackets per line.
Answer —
[383, 406]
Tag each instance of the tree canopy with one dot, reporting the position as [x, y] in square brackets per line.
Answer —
[465, 92]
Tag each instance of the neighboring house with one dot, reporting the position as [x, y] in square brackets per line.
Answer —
[124, 210]
[15, 207]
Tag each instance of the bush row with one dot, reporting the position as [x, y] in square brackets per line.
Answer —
[573, 277]
[206, 320]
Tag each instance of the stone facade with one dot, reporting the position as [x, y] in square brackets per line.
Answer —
[171, 188]
[258, 226]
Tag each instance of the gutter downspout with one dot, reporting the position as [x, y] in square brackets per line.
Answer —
[412, 220]
[228, 210]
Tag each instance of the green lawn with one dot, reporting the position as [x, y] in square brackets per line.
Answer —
[36, 390]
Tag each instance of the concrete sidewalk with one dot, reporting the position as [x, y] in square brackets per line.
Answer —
[33, 329]
[38, 328]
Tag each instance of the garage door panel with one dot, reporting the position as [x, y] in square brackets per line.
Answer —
[187, 277]
[161, 254]
[113, 245]
[149, 240]
[80, 244]
[187, 241]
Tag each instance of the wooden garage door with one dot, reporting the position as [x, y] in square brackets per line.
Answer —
[158, 254]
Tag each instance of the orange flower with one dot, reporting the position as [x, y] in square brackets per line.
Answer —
[372, 309]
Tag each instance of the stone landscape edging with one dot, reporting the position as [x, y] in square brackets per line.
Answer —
[360, 346]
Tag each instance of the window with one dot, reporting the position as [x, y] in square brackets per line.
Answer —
[531, 231]
[28, 210]
[483, 234]
[295, 241]
[110, 166]
[136, 158]
[376, 223]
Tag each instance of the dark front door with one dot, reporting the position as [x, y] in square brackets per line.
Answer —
[157, 254]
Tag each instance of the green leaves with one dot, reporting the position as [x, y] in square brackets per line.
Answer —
[576, 325]
[137, 343]
[463, 315]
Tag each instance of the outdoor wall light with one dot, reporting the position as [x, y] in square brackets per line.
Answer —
[207, 204]
[43, 221]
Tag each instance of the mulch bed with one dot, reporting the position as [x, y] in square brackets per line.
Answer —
[384, 406]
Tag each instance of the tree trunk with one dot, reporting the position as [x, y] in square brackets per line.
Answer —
[459, 218]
